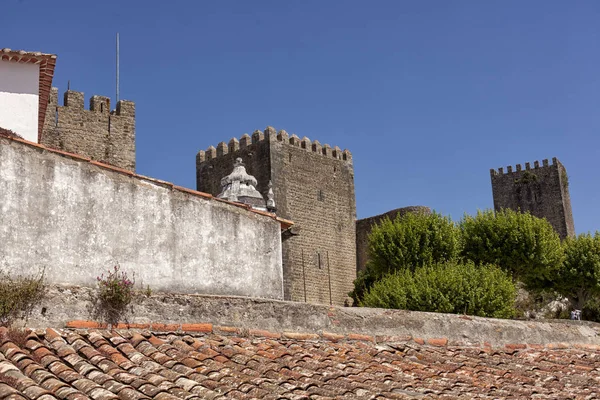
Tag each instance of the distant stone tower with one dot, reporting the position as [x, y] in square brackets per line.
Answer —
[96, 133]
[313, 185]
[543, 191]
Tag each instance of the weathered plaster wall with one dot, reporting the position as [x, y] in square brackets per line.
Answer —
[19, 98]
[76, 219]
[63, 304]
[364, 226]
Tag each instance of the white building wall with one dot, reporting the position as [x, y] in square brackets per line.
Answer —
[19, 98]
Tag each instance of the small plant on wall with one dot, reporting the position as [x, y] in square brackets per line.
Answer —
[19, 295]
[114, 295]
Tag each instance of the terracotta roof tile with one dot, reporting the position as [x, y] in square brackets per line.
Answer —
[135, 365]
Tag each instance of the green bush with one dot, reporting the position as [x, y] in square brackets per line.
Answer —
[18, 296]
[407, 242]
[115, 293]
[483, 290]
[524, 245]
[412, 240]
[579, 277]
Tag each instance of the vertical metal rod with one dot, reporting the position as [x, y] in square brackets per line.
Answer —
[303, 275]
[117, 66]
[329, 274]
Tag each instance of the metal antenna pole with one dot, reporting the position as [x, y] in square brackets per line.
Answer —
[117, 66]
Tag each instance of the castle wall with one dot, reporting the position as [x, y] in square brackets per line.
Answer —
[19, 98]
[365, 225]
[541, 190]
[314, 187]
[96, 133]
[76, 219]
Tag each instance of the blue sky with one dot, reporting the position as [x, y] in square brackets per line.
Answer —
[427, 95]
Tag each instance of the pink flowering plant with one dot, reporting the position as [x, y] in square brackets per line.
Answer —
[115, 293]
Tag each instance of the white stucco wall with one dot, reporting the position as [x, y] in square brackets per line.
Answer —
[75, 221]
[19, 98]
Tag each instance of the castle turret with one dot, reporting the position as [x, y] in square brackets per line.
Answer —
[98, 133]
[542, 190]
[311, 185]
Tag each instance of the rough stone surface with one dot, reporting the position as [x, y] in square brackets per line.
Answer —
[96, 133]
[541, 190]
[313, 186]
[70, 303]
[76, 220]
[364, 226]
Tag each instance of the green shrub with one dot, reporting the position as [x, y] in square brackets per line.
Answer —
[412, 240]
[407, 242]
[18, 296]
[524, 245]
[115, 293]
[591, 309]
[579, 277]
[483, 290]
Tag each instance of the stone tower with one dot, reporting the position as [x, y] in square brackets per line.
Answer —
[541, 190]
[313, 185]
[98, 133]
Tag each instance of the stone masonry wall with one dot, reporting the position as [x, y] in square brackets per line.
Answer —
[541, 190]
[96, 133]
[76, 219]
[314, 187]
[364, 226]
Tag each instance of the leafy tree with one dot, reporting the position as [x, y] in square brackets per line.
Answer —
[579, 277]
[412, 240]
[409, 241]
[483, 290]
[520, 243]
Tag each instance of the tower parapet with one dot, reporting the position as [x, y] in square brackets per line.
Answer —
[542, 190]
[99, 133]
[309, 183]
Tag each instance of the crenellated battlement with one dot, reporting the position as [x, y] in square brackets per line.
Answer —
[541, 189]
[100, 104]
[518, 167]
[271, 135]
[98, 132]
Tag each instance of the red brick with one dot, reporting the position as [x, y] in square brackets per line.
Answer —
[516, 346]
[165, 327]
[364, 338]
[228, 330]
[263, 333]
[332, 336]
[556, 346]
[392, 339]
[81, 324]
[300, 336]
[419, 340]
[437, 342]
[207, 328]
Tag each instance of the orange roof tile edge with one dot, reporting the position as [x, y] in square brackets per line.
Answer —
[47, 63]
[284, 223]
[209, 328]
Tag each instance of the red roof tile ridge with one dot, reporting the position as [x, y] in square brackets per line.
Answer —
[285, 224]
[209, 328]
[27, 53]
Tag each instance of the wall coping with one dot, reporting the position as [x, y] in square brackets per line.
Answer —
[284, 223]
[65, 306]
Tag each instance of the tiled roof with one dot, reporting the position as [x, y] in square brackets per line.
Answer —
[133, 364]
[284, 223]
[47, 63]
